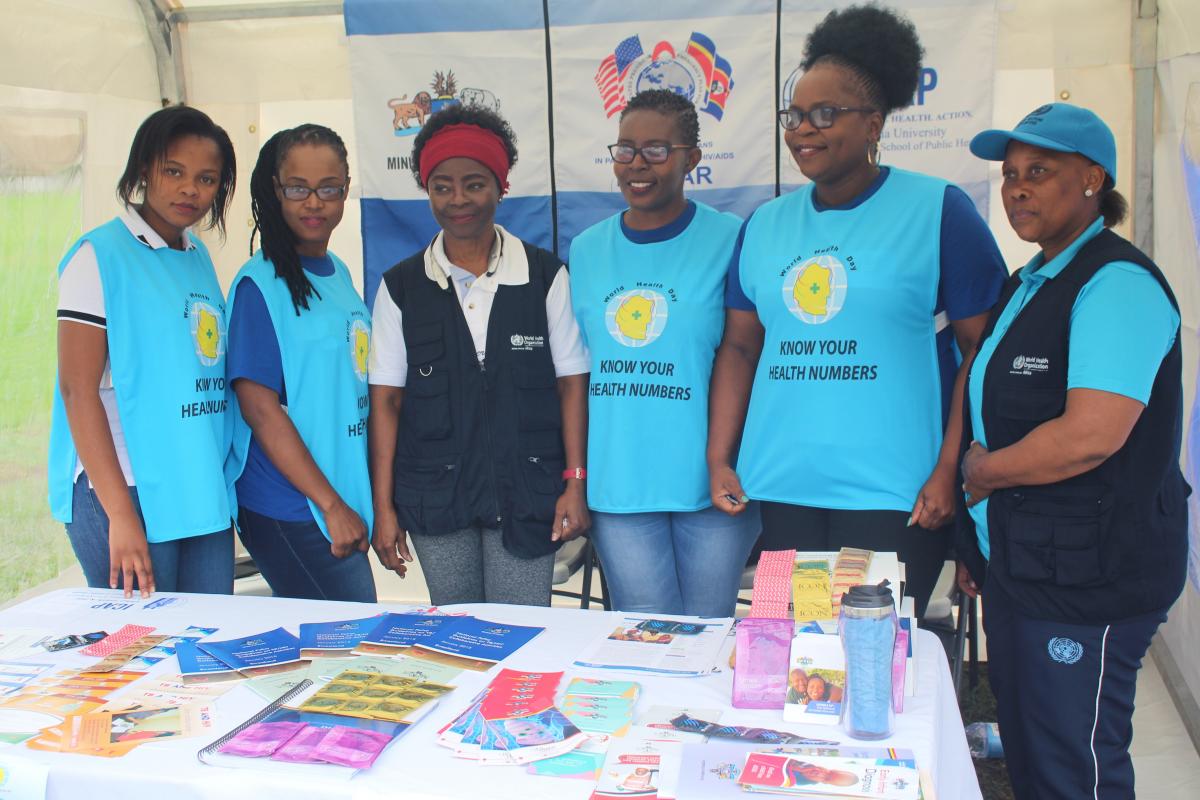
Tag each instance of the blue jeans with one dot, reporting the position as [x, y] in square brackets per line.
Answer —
[296, 561]
[200, 564]
[675, 562]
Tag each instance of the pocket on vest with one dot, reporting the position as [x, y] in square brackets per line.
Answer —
[426, 406]
[543, 484]
[538, 405]
[1060, 538]
[1033, 405]
[424, 494]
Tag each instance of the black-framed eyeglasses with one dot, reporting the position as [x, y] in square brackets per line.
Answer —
[820, 117]
[651, 153]
[326, 193]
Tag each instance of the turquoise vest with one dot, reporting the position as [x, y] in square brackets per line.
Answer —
[845, 411]
[166, 348]
[652, 315]
[324, 352]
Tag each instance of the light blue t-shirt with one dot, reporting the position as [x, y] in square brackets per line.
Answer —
[845, 411]
[1122, 327]
[650, 305]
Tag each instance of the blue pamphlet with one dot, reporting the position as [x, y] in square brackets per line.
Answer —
[338, 635]
[404, 630]
[469, 637]
[194, 662]
[268, 649]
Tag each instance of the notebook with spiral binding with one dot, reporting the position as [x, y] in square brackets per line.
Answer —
[279, 714]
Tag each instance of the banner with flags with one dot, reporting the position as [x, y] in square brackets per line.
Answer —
[561, 71]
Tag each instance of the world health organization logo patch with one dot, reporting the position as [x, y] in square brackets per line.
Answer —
[1064, 650]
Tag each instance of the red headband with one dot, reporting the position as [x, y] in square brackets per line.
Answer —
[466, 141]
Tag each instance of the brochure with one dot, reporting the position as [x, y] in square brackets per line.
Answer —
[392, 634]
[644, 768]
[271, 651]
[197, 666]
[331, 639]
[808, 775]
[816, 679]
[476, 640]
[661, 646]
[712, 770]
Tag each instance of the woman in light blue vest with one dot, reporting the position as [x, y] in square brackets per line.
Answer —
[647, 285]
[299, 336]
[834, 303]
[139, 432]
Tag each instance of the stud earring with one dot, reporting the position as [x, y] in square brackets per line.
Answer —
[1088, 193]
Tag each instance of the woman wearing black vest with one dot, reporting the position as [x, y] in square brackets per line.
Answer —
[478, 374]
[1073, 521]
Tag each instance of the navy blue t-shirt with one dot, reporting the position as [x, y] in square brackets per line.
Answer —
[253, 354]
[971, 277]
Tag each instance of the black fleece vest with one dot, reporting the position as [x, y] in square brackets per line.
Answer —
[1110, 543]
[479, 444]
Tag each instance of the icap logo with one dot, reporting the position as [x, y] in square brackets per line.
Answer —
[1064, 650]
[445, 93]
[698, 74]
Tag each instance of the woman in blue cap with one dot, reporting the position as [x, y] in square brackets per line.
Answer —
[1073, 505]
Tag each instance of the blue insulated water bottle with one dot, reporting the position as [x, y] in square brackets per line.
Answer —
[867, 626]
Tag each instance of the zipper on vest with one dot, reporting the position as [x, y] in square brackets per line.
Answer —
[487, 426]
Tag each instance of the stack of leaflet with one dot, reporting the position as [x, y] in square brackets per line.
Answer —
[601, 709]
[718, 769]
[465, 642]
[828, 772]
[262, 653]
[660, 646]
[513, 721]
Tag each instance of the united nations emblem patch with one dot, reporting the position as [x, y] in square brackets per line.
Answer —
[1064, 650]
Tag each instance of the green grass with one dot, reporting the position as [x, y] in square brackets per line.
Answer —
[38, 227]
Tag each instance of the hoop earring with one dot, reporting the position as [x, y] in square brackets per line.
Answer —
[873, 154]
[1088, 193]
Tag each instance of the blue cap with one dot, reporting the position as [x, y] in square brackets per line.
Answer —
[1057, 126]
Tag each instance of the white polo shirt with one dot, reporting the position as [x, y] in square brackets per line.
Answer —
[507, 266]
[81, 300]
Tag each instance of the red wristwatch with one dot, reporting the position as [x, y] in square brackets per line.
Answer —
[578, 473]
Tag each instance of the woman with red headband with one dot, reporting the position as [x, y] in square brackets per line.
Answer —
[478, 422]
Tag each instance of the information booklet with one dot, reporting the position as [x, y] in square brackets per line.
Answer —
[808, 775]
[713, 770]
[334, 639]
[197, 666]
[477, 643]
[271, 651]
[661, 646]
[816, 679]
[644, 768]
[393, 633]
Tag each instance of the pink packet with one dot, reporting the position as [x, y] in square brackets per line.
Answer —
[351, 747]
[262, 739]
[761, 662]
[302, 748]
[899, 665]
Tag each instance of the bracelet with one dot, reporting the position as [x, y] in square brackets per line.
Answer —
[578, 473]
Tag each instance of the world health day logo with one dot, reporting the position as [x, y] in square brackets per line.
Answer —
[360, 347]
[408, 116]
[815, 289]
[637, 317]
[698, 73]
[208, 332]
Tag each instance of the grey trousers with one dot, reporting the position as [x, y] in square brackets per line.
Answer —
[472, 566]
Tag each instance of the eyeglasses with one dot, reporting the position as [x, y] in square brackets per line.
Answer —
[820, 117]
[651, 153]
[326, 193]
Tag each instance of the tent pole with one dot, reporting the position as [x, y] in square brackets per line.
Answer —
[164, 38]
[1144, 55]
[298, 8]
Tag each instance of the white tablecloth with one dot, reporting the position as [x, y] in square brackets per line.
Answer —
[415, 766]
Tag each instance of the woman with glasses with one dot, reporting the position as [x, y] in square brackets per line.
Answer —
[299, 337]
[648, 288]
[833, 305]
[478, 385]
